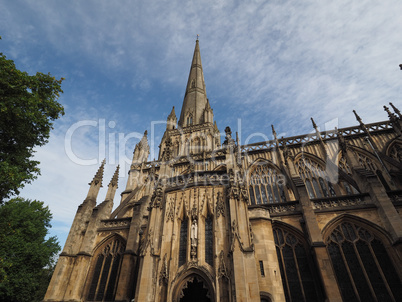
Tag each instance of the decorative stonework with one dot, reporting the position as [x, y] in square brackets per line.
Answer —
[278, 208]
[157, 196]
[220, 205]
[251, 235]
[164, 273]
[145, 242]
[222, 270]
[170, 211]
[116, 223]
[337, 203]
[235, 235]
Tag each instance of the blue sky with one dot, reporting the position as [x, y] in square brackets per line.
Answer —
[126, 64]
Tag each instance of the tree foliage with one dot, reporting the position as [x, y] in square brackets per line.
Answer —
[28, 107]
[26, 255]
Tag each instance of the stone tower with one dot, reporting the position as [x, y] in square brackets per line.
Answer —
[313, 217]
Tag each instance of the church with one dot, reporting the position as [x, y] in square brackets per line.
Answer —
[315, 217]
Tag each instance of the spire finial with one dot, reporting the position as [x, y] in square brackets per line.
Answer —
[392, 116]
[273, 131]
[396, 110]
[198, 36]
[358, 117]
[115, 178]
[99, 174]
[314, 124]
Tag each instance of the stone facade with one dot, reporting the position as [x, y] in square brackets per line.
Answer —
[307, 218]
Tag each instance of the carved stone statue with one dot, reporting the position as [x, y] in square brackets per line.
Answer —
[193, 234]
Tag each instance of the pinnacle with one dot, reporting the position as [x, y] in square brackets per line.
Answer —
[314, 124]
[115, 178]
[357, 117]
[99, 174]
[396, 110]
[172, 114]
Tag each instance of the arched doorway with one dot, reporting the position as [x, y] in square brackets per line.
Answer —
[195, 289]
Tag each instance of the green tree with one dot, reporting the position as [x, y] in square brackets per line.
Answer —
[27, 257]
[28, 107]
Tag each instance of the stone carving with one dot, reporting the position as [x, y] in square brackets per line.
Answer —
[164, 274]
[157, 196]
[203, 202]
[116, 223]
[179, 205]
[325, 204]
[145, 242]
[233, 189]
[243, 192]
[251, 235]
[235, 235]
[276, 209]
[222, 270]
[220, 205]
[229, 142]
[194, 239]
[170, 212]
[168, 152]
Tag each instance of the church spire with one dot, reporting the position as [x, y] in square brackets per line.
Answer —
[96, 182]
[195, 98]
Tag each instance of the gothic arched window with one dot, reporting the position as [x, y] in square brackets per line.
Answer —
[265, 186]
[366, 162]
[295, 267]
[396, 152]
[106, 271]
[209, 238]
[362, 266]
[315, 178]
[183, 241]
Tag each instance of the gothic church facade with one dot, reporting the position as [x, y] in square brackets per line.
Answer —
[307, 218]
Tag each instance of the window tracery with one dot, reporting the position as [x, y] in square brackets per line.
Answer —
[366, 162]
[315, 178]
[209, 240]
[295, 268]
[265, 186]
[105, 273]
[362, 265]
[183, 241]
[396, 152]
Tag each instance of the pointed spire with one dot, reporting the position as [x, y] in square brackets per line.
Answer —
[115, 178]
[171, 120]
[172, 114]
[274, 132]
[141, 150]
[392, 117]
[358, 118]
[216, 127]
[99, 174]
[195, 98]
[314, 125]
[396, 110]
[96, 182]
[113, 185]
[208, 106]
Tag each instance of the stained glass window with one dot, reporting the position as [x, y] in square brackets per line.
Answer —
[183, 241]
[209, 240]
[106, 271]
[295, 267]
[362, 265]
[266, 186]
